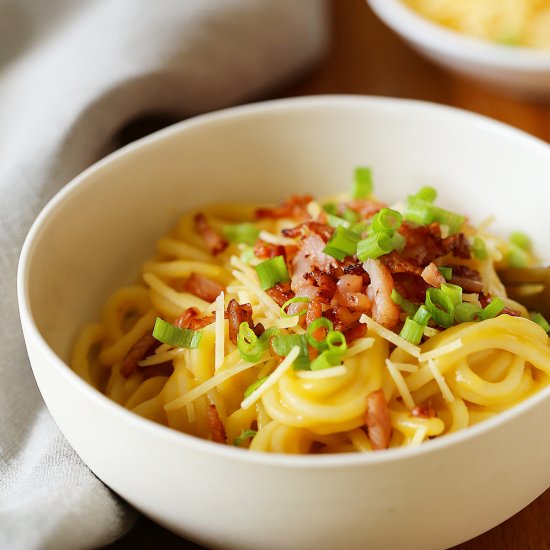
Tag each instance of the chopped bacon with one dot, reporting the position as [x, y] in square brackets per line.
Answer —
[384, 309]
[212, 238]
[310, 257]
[432, 275]
[265, 250]
[323, 230]
[294, 207]
[186, 317]
[377, 419]
[341, 317]
[457, 245]
[355, 331]
[241, 313]
[280, 293]
[398, 264]
[486, 300]
[366, 208]
[314, 311]
[217, 429]
[198, 323]
[424, 411]
[466, 277]
[348, 293]
[325, 284]
[203, 287]
[411, 287]
[141, 349]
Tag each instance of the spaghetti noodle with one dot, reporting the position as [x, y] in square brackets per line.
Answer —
[319, 328]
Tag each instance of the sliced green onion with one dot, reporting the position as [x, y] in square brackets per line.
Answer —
[245, 434]
[492, 309]
[516, 257]
[454, 292]
[180, 337]
[245, 232]
[521, 239]
[336, 341]
[360, 227]
[403, 303]
[342, 243]
[427, 193]
[335, 221]
[466, 312]
[445, 217]
[295, 300]
[540, 320]
[250, 348]
[440, 306]
[320, 322]
[282, 345]
[386, 221]
[254, 386]
[419, 211]
[331, 208]
[412, 331]
[351, 216]
[271, 272]
[447, 272]
[479, 249]
[247, 255]
[374, 246]
[362, 184]
[422, 316]
[398, 241]
[326, 360]
[269, 333]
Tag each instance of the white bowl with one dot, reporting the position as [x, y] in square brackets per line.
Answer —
[93, 235]
[513, 70]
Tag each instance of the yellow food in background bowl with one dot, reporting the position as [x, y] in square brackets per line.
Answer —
[513, 22]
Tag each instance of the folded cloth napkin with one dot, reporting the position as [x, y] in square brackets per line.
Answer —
[72, 73]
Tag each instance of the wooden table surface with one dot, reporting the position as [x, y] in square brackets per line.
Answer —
[365, 57]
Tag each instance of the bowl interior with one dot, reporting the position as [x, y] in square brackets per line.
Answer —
[93, 236]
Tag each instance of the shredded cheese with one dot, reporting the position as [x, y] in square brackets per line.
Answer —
[269, 303]
[438, 377]
[359, 346]
[419, 436]
[274, 377]
[395, 339]
[157, 358]
[219, 327]
[400, 384]
[276, 239]
[441, 350]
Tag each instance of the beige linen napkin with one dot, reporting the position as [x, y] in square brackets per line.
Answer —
[73, 72]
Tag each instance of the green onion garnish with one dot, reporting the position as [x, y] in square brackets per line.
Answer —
[362, 184]
[403, 303]
[386, 221]
[360, 227]
[398, 241]
[479, 249]
[250, 348]
[351, 216]
[373, 246]
[282, 345]
[454, 292]
[450, 219]
[321, 322]
[245, 232]
[540, 320]
[412, 331]
[440, 306]
[295, 300]
[466, 312]
[254, 386]
[335, 221]
[521, 239]
[336, 341]
[492, 309]
[516, 257]
[422, 316]
[326, 360]
[245, 434]
[342, 243]
[271, 272]
[180, 337]
[447, 272]
[423, 212]
[331, 208]
[427, 193]
[247, 255]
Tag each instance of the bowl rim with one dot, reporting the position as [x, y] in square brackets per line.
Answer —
[229, 452]
[430, 35]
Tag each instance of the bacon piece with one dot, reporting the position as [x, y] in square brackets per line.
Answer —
[280, 293]
[203, 287]
[355, 331]
[198, 323]
[342, 317]
[265, 250]
[314, 311]
[432, 275]
[366, 208]
[411, 287]
[186, 317]
[325, 284]
[217, 429]
[323, 230]
[384, 309]
[457, 245]
[397, 264]
[377, 419]
[141, 349]
[309, 258]
[294, 207]
[240, 313]
[486, 300]
[466, 277]
[348, 293]
[424, 411]
[212, 238]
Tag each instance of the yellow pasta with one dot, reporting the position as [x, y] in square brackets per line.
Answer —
[320, 359]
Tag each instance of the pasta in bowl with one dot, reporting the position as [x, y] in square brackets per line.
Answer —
[92, 238]
[315, 327]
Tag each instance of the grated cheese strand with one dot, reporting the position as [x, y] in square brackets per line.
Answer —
[442, 350]
[390, 336]
[400, 384]
[219, 327]
[438, 377]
